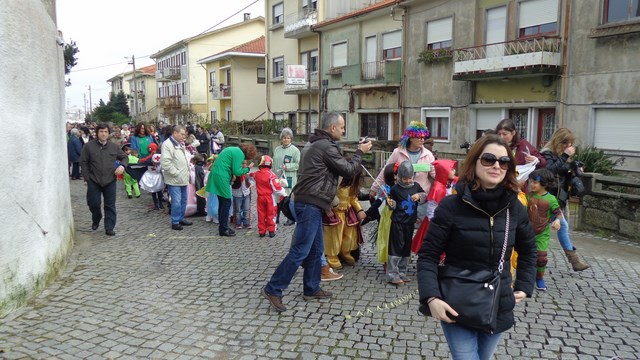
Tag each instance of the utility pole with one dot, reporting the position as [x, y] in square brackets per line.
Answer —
[90, 106]
[135, 88]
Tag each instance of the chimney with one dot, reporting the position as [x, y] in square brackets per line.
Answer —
[247, 16]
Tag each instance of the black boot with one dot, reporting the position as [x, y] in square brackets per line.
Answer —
[155, 203]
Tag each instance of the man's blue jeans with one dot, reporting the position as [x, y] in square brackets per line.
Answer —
[563, 235]
[95, 193]
[306, 248]
[178, 202]
[469, 344]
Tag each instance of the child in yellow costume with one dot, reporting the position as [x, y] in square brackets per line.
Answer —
[342, 238]
[384, 224]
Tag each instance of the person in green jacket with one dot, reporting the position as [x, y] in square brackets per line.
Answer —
[227, 165]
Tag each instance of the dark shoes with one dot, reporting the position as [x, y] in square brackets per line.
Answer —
[95, 225]
[263, 235]
[289, 222]
[110, 233]
[186, 223]
[176, 226]
[130, 197]
[228, 232]
[275, 301]
[320, 294]
[272, 234]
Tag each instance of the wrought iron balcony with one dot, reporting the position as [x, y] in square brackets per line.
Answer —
[168, 74]
[169, 101]
[293, 89]
[220, 92]
[298, 25]
[523, 57]
[377, 74]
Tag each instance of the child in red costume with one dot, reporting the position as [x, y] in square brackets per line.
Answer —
[442, 186]
[269, 192]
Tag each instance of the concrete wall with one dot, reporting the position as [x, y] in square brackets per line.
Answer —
[35, 213]
[430, 85]
[247, 96]
[601, 72]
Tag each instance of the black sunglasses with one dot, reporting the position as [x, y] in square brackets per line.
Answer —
[487, 159]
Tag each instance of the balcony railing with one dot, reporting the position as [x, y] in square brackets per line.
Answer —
[220, 92]
[303, 88]
[168, 74]
[169, 101]
[372, 74]
[298, 24]
[538, 55]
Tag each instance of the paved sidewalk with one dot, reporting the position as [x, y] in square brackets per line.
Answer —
[151, 292]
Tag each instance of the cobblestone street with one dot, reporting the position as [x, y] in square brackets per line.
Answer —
[151, 292]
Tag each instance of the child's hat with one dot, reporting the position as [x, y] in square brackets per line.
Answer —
[125, 144]
[265, 160]
[153, 147]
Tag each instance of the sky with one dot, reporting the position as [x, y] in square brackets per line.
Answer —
[106, 32]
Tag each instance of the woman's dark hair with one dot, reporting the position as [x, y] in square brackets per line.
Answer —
[508, 125]
[249, 150]
[85, 129]
[468, 170]
[167, 131]
[544, 177]
[389, 174]
[138, 127]
[354, 183]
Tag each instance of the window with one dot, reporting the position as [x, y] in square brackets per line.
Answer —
[212, 78]
[310, 60]
[375, 126]
[617, 129]
[339, 54]
[392, 45]
[439, 34]
[538, 17]
[214, 116]
[309, 5]
[437, 121]
[278, 13]
[620, 10]
[370, 49]
[261, 74]
[278, 67]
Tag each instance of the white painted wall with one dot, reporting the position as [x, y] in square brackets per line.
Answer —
[36, 225]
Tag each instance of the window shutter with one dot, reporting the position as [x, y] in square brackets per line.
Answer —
[538, 12]
[439, 30]
[392, 40]
[617, 129]
[339, 54]
[437, 113]
[371, 49]
[488, 118]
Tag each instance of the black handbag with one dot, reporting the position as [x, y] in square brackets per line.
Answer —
[473, 294]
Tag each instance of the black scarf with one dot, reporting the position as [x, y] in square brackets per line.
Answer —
[491, 200]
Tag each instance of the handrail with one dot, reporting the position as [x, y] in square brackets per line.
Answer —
[513, 47]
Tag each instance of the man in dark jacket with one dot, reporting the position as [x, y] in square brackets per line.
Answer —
[322, 163]
[74, 149]
[99, 170]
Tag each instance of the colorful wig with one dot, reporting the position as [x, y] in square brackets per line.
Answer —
[415, 129]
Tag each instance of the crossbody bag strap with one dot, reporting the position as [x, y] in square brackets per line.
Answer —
[504, 245]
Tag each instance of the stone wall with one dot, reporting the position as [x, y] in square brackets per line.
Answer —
[608, 206]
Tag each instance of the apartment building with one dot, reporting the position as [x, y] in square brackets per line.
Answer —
[183, 84]
[601, 98]
[237, 82]
[142, 105]
[361, 68]
[293, 57]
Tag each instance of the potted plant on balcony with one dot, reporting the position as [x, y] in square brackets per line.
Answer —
[429, 56]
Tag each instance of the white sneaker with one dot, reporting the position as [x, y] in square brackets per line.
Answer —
[208, 218]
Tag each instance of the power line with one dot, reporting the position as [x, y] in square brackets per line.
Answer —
[234, 14]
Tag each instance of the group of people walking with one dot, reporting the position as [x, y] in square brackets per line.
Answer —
[481, 218]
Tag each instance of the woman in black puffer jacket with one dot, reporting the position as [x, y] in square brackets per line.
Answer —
[470, 228]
